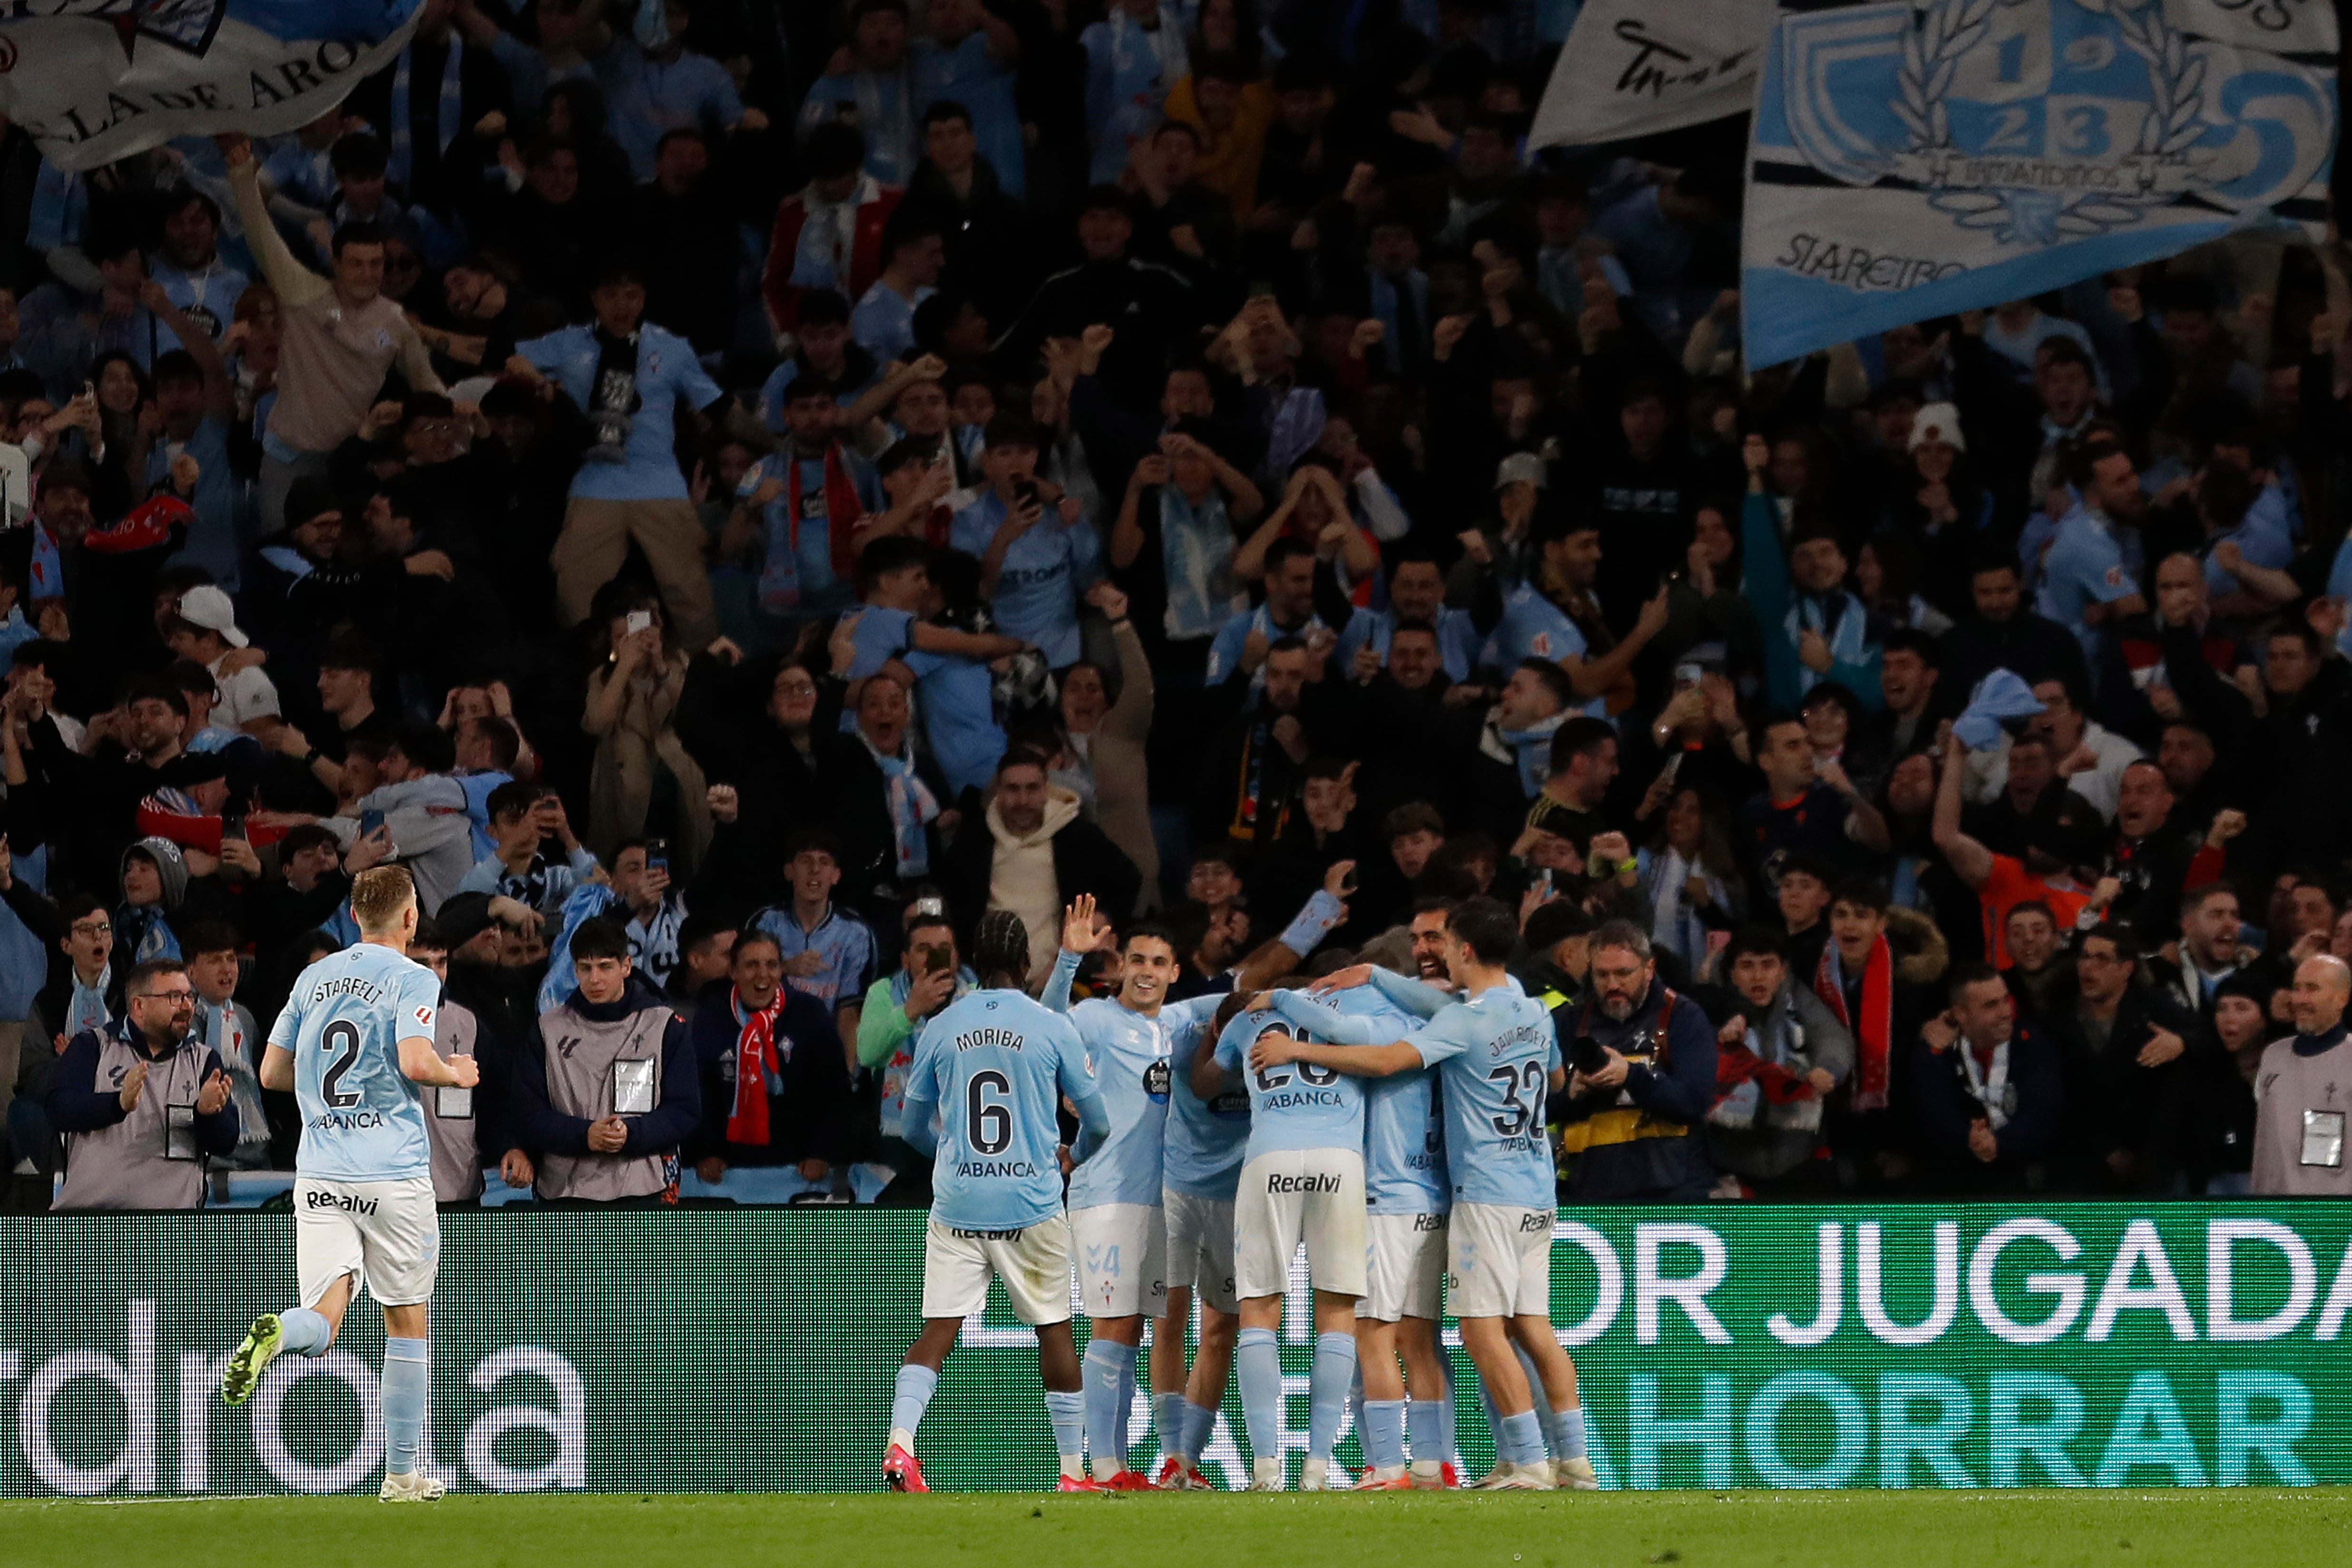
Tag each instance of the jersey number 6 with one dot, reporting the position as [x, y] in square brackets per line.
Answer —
[988, 1123]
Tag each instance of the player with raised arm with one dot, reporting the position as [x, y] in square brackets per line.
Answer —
[355, 1045]
[1302, 1180]
[1496, 1053]
[992, 1069]
[1117, 1225]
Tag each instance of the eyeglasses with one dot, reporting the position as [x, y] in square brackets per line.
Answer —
[88, 928]
[796, 688]
[180, 995]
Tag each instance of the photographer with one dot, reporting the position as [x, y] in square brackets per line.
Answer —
[1644, 1061]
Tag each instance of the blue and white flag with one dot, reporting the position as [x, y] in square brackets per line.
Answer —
[1911, 160]
[95, 80]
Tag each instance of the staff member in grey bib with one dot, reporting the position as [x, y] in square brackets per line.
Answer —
[606, 1089]
[2302, 1091]
[142, 1102]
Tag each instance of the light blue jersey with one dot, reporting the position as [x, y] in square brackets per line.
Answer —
[362, 1119]
[1534, 627]
[1494, 1056]
[1404, 1141]
[1134, 1059]
[991, 1069]
[1293, 1106]
[1206, 1139]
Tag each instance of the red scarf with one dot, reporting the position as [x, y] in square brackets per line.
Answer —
[1735, 1064]
[842, 509]
[1873, 1032]
[755, 1058]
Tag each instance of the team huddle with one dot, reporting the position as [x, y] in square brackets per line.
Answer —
[1391, 1126]
[1394, 1126]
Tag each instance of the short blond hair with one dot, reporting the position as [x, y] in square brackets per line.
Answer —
[379, 894]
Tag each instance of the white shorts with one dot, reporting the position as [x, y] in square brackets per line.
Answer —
[1314, 1196]
[1122, 1252]
[1406, 1263]
[387, 1235]
[1201, 1247]
[1033, 1262]
[1498, 1261]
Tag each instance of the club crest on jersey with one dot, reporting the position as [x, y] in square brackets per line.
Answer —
[1155, 1082]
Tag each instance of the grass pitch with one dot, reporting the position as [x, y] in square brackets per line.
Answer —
[1697, 1530]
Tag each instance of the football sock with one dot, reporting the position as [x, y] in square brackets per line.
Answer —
[1326, 1388]
[1522, 1439]
[305, 1333]
[1122, 1432]
[1566, 1431]
[1381, 1425]
[1199, 1421]
[1068, 1411]
[407, 1380]
[1258, 1366]
[1426, 1419]
[908, 1400]
[1167, 1415]
[1104, 1361]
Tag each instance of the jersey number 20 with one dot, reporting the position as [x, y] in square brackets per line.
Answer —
[342, 1039]
[988, 1123]
[1519, 1113]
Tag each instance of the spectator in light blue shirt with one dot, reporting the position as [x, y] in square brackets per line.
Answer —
[828, 951]
[2090, 574]
[1038, 549]
[627, 376]
[876, 91]
[665, 87]
[973, 58]
[190, 267]
[914, 249]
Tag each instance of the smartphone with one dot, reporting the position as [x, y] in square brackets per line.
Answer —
[1025, 493]
[935, 958]
[639, 621]
[370, 821]
[1686, 676]
[1347, 884]
[657, 854]
[1674, 766]
[1587, 1054]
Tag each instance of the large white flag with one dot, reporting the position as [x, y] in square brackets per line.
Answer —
[1632, 67]
[1910, 162]
[94, 80]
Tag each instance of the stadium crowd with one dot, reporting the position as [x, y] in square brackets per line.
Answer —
[726, 493]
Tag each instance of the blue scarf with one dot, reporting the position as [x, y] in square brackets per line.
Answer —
[143, 928]
[1196, 555]
[1839, 617]
[912, 807]
[403, 158]
[88, 1010]
[1530, 750]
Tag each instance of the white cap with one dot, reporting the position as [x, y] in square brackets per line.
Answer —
[1938, 422]
[206, 606]
[1520, 467]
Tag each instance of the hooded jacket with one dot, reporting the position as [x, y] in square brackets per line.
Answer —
[995, 868]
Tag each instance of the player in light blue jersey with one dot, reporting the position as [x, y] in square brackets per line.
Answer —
[1498, 1057]
[1302, 1180]
[990, 1070]
[1406, 1197]
[354, 1044]
[1116, 1226]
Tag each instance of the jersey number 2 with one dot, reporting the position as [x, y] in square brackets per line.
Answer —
[341, 1039]
[988, 1123]
[1518, 1114]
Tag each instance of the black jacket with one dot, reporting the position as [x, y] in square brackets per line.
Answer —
[808, 1108]
[1654, 1148]
[1946, 1105]
[2124, 1122]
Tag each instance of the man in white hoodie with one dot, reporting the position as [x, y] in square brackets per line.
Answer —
[1039, 853]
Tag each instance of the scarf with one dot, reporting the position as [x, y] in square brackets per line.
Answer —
[143, 928]
[1196, 553]
[1765, 1074]
[1248, 808]
[47, 572]
[88, 1010]
[912, 807]
[828, 244]
[1527, 750]
[446, 120]
[1837, 617]
[1144, 62]
[1674, 925]
[1873, 1032]
[613, 399]
[1989, 1085]
[779, 579]
[758, 1070]
[216, 1026]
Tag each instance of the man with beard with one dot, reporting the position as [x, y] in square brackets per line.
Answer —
[2152, 860]
[1643, 1086]
[2208, 949]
